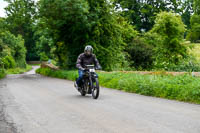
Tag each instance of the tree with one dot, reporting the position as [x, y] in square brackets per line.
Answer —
[20, 20]
[142, 13]
[16, 46]
[187, 11]
[170, 28]
[69, 29]
[12, 50]
[197, 7]
[86, 22]
[194, 33]
[44, 40]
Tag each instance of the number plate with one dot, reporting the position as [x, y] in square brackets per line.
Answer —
[92, 70]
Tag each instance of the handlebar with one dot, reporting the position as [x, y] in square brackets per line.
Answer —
[92, 67]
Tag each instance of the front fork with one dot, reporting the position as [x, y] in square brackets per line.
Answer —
[90, 83]
[87, 85]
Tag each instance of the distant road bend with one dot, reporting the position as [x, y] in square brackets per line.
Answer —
[38, 104]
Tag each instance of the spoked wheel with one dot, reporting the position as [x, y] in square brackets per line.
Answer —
[83, 89]
[95, 91]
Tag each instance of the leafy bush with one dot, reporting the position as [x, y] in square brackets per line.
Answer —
[189, 64]
[2, 73]
[86, 23]
[182, 87]
[43, 57]
[171, 50]
[16, 44]
[13, 46]
[8, 62]
[141, 53]
[194, 33]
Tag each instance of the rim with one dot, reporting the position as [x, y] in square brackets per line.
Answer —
[95, 91]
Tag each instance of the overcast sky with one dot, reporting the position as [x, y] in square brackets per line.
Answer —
[3, 4]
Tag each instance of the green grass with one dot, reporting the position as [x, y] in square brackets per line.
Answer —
[18, 70]
[2, 73]
[183, 87]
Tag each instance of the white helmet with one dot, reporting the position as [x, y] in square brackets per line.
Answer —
[88, 50]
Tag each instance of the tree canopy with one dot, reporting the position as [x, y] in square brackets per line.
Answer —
[20, 20]
[125, 34]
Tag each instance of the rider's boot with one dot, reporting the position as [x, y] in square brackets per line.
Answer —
[76, 86]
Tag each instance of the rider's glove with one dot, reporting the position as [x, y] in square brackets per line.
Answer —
[83, 69]
[98, 68]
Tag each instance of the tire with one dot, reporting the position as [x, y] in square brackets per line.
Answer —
[95, 90]
[83, 93]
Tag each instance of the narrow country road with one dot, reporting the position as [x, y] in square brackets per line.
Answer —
[38, 104]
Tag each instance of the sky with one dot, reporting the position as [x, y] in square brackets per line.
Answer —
[3, 4]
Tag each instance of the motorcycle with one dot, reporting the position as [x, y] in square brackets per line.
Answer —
[90, 83]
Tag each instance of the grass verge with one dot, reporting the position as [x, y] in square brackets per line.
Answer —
[182, 87]
[18, 70]
[2, 73]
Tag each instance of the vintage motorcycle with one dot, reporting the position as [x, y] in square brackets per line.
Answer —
[90, 83]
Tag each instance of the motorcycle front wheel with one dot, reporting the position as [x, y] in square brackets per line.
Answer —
[82, 90]
[95, 90]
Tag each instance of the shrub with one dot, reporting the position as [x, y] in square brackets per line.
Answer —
[141, 53]
[16, 47]
[2, 73]
[8, 62]
[170, 28]
[43, 57]
[194, 33]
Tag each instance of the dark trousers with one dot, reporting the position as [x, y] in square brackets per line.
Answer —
[79, 80]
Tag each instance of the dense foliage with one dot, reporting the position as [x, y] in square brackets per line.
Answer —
[125, 34]
[142, 13]
[162, 47]
[20, 20]
[194, 33]
[170, 28]
[12, 50]
[141, 53]
[2, 73]
[86, 23]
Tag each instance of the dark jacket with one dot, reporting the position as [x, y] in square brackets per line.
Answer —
[84, 60]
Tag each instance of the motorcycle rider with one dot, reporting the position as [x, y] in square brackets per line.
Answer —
[86, 58]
